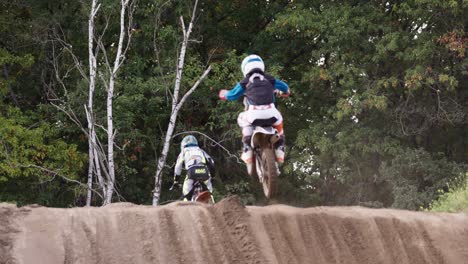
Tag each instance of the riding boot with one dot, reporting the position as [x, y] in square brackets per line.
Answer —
[279, 149]
[247, 153]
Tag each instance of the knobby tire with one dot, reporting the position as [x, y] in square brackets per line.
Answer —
[270, 171]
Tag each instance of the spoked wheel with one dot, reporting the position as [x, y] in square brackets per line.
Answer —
[266, 165]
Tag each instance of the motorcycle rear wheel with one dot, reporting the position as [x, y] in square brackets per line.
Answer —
[204, 197]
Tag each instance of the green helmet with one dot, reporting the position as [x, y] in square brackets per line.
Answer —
[188, 141]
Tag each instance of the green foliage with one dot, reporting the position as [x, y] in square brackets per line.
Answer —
[416, 178]
[454, 201]
[8, 60]
[34, 161]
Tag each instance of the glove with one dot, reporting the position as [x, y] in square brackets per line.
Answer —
[175, 186]
[222, 94]
[283, 95]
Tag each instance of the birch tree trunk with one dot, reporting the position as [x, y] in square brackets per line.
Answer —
[90, 111]
[97, 164]
[110, 95]
[101, 160]
[176, 105]
[167, 141]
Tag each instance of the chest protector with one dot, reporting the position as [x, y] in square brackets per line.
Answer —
[259, 89]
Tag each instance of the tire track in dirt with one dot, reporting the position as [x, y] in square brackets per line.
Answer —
[232, 221]
[359, 235]
[8, 214]
[228, 232]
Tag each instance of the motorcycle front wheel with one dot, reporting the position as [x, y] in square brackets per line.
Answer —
[269, 172]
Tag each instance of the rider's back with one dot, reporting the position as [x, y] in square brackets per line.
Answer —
[259, 88]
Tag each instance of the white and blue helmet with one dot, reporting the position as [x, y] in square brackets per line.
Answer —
[188, 141]
[252, 62]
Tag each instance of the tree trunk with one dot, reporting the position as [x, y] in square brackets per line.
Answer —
[167, 141]
[90, 112]
[174, 112]
[110, 95]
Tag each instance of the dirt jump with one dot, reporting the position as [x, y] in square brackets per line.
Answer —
[228, 232]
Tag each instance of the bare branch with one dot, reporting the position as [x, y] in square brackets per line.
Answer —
[106, 58]
[184, 31]
[214, 141]
[71, 115]
[131, 11]
[189, 92]
[93, 14]
[55, 173]
[194, 11]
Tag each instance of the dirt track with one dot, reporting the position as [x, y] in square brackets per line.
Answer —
[229, 233]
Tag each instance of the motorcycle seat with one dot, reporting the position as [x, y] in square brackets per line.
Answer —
[268, 122]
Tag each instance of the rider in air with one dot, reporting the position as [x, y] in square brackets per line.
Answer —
[197, 163]
[259, 90]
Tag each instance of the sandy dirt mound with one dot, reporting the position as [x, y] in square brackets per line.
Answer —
[229, 233]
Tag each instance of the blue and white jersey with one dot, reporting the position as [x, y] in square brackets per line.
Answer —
[258, 88]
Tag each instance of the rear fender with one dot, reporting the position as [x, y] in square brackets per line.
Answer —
[264, 136]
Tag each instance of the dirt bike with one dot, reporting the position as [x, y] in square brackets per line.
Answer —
[199, 192]
[265, 166]
[264, 137]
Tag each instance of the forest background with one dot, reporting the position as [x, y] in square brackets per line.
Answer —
[378, 114]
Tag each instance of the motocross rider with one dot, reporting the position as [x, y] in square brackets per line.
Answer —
[259, 90]
[197, 163]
